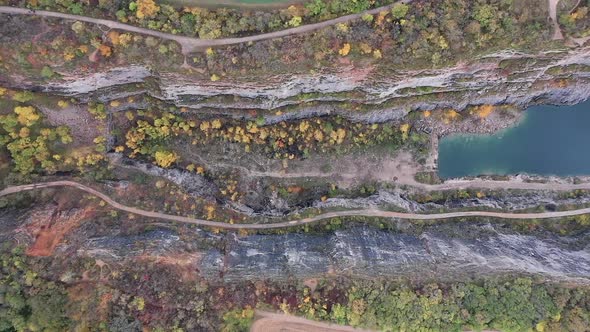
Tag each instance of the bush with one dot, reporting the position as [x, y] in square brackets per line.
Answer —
[238, 320]
[47, 72]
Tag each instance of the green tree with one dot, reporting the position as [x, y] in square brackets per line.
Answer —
[238, 320]
[400, 10]
[29, 302]
[47, 72]
[486, 16]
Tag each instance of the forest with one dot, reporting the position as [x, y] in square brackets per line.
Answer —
[32, 300]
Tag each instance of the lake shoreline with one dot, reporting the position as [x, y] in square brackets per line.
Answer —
[546, 141]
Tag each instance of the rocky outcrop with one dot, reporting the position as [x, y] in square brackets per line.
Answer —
[508, 77]
[372, 253]
[194, 184]
[505, 201]
[440, 253]
[504, 77]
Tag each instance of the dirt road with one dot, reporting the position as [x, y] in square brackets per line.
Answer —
[299, 222]
[190, 44]
[557, 35]
[271, 322]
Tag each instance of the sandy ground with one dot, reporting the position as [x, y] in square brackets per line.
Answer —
[270, 322]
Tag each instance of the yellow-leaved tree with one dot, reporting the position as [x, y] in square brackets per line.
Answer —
[27, 115]
[344, 50]
[29, 144]
[405, 129]
[165, 158]
[146, 9]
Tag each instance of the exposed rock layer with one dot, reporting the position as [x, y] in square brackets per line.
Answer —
[556, 77]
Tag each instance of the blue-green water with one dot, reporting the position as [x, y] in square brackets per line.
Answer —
[551, 140]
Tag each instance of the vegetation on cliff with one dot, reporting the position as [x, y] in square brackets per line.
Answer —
[32, 145]
[153, 134]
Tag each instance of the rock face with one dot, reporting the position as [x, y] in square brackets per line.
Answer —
[512, 201]
[478, 250]
[500, 78]
[193, 184]
[72, 86]
[373, 253]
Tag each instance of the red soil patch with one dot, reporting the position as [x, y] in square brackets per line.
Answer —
[33, 61]
[103, 307]
[359, 74]
[344, 61]
[49, 227]
[311, 283]
[295, 189]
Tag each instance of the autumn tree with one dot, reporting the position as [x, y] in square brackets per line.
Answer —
[146, 9]
[165, 159]
[26, 116]
[28, 143]
[344, 50]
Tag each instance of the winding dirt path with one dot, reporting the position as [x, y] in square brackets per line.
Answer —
[190, 44]
[364, 212]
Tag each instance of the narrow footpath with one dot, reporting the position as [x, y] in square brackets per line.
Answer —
[298, 222]
[190, 44]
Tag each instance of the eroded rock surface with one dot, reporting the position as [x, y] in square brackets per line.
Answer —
[443, 252]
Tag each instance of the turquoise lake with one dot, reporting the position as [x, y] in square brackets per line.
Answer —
[551, 140]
